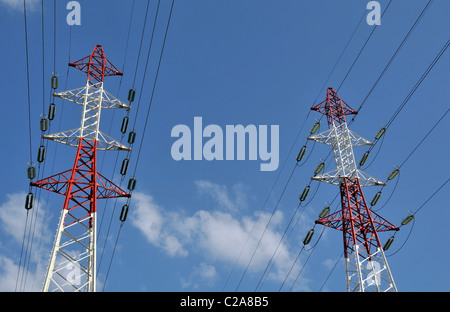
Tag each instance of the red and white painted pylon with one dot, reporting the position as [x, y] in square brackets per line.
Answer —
[72, 265]
[365, 262]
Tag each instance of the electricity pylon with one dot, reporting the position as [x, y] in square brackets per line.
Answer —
[72, 265]
[365, 262]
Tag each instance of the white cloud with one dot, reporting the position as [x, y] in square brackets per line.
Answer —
[13, 219]
[8, 274]
[222, 196]
[149, 219]
[218, 235]
[203, 273]
[13, 214]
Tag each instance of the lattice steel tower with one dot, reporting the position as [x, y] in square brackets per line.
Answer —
[365, 262]
[72, 265]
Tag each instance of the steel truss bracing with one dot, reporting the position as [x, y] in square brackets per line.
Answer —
[72, 265]
[365, 262]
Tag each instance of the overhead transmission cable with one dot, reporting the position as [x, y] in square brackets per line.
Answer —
[412, 214]
[287, 158]
[408, 157]
[41, 156]
[363, 47]
[153, 88]
[28, 77]
[417, 21]
[356, 59]
[118, 91]
[332, 270]
[302, 198]
[354, 62]
[390, 61]
[33, 221]
[317, 98]
[147, 117]
[307, 259]
[397, 168]
[120, 86]
[408, 97]
[340, 56]
[111, 123]
[423, 139]
[29, 130]
[44, 125]
[139, 101]
[128, 111]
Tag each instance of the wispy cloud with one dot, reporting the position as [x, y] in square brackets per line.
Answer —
[149, 218]
[8, 274]
[13, 216]
[216, 234]
[204, 273]
[13, 225]
[226, 199]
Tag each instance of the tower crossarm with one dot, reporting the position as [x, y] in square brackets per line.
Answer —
[342, 141]
[335, 177]
[71, 138]
[334, 108]
[337, 221]
[78, 96]
[329, 137]
[57, 183]
[96, 66]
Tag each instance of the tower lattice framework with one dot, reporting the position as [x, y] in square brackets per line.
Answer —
[365, 262]
[72, 265]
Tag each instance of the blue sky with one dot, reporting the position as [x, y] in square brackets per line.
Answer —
[232, 62]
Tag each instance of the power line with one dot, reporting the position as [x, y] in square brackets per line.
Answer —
[406, 159]
[56, 148]
[43, 57]
[117, 153]
[146, 64]
[429, 198]
[28, 76]
[320, 118]
[154, 87]
[392, 58]
[410, 94]
[419, 82]
[29, 132]
[415, 212]
[275, 255]
[361, 50]
[112, 256]
[394, 55]
[147, 116]
[278, 246]
[293, 144]
[409, 155]
[140, 45]
[407, 36]
[340, 56]
[334, 267]
[266, 200]
[424, 138]
[54, 36]
[265, 229]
